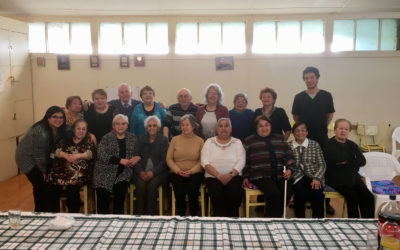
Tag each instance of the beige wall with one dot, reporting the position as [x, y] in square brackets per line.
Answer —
[16, 111]
[364, 89]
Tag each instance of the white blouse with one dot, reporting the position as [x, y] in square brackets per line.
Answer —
[223, 157]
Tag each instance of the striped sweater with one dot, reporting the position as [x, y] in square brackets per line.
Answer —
[258, 164]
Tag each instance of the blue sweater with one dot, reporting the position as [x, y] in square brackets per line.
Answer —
[242, 123]
[138, 117]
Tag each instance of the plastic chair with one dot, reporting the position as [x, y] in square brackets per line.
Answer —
[201, 200]
[396, 139]
[331, 193]
[84, 189]
[132, 198]
[380, 166]
[367, 134]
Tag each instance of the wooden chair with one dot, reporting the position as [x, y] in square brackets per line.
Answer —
[367, 135]
[331, 193]
[201, 200]
[248, 193]
[84, 189]
[132, 198]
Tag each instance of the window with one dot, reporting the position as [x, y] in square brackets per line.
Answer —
[210, 38]
[149, 38]
[62, 38]
[37, 38]
[364, 35]
[58, 38]
[110, 38]
[81, 41]
[288, 37]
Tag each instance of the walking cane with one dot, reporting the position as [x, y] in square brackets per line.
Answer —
[284, 195]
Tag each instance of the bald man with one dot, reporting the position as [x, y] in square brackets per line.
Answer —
[125, 104]
[177, 110]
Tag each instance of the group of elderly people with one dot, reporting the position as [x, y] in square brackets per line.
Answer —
[98, 143]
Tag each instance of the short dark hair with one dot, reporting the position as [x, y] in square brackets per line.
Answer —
[75, 124]
[147, 88]
[259, 118]
[70, 99]
[101, 92]
[342, 120]
[311, 70]
[268, 90]
[297, 124]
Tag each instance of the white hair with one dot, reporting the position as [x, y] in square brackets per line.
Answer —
[219, 91]
[188, 90]
[152, 117]
[120, 116]
[224, 119]
[125, 84]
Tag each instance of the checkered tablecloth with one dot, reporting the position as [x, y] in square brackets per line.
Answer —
[132, 232]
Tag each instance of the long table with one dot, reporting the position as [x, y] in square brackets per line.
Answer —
[162, 232]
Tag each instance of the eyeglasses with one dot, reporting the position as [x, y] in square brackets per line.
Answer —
[57, 117]
[152, 125]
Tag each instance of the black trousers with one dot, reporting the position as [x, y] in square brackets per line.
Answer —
[225, 199]
[72, 194]
[187, 186]
[35, 176]
[303, 192]
[358, 196]
[104, 197]
[273, 195]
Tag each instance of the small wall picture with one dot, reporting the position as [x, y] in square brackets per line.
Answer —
[124, 61]
[41, 61]
[94, 61]
[224, 63]
[63, 62]
[140, 61]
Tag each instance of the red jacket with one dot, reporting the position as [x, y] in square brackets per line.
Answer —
[220, 112]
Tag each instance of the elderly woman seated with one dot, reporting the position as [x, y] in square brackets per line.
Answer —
[344, 159]
[183, 159]
[266, 156]
[152, 171]
[309, 174]
[71, 168]
[223, 158]
[113, 168]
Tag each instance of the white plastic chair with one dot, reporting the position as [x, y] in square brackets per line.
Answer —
[396, 139]
[380, 166]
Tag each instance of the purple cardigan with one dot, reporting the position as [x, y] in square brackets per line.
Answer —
[221, 111]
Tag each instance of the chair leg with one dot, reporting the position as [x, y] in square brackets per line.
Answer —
[173, 201]
[160, 200]
[247, 197]
[202, 202]
[131, 199]
[85, 199]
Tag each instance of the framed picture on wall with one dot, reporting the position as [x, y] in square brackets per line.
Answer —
[94, 61]
[224, 63]
[139, 61]
[124, 61]
[41, 61]
[63, 62]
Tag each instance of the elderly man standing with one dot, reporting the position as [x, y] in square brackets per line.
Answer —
[177, 110]
[125, 104]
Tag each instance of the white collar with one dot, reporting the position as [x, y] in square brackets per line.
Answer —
[304, 144]
[123, 104]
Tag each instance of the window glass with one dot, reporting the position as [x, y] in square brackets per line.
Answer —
[134, 38]
[186, 38]
[343, 35]
[157, 38]
[233, 37]
[110, 38]
[58, 38]
[389, 34]
[264, 37]
[312, 36]
[37, 38]
[209, 38]
[367, 34]
[288, 39]
[81, 41]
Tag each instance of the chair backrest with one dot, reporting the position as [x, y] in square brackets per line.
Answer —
[395, 138]
[380, 166]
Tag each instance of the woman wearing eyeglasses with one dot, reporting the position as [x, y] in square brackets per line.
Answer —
[33, 152]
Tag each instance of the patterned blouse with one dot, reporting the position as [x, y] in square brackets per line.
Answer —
[66, 173]
[69, 119]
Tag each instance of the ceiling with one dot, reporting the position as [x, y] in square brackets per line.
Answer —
[191, 7]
